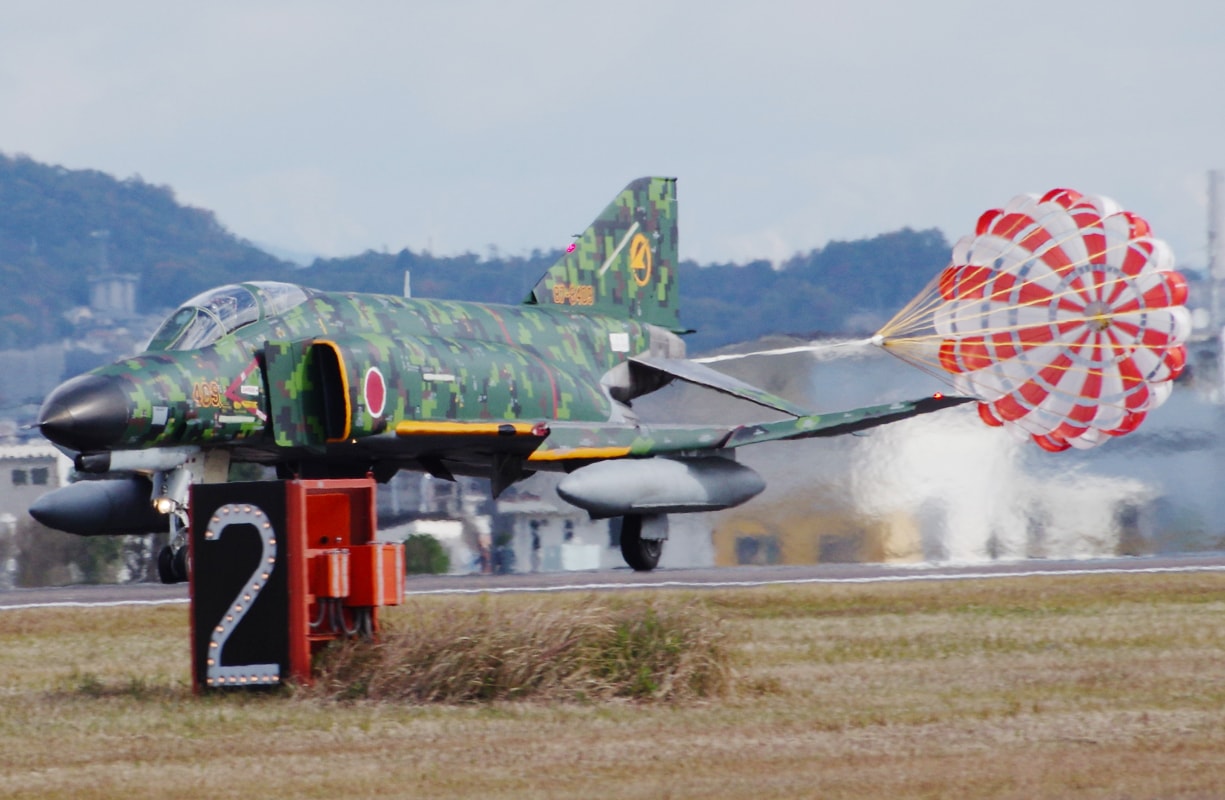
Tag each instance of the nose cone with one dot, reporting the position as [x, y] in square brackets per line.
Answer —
[89, 412]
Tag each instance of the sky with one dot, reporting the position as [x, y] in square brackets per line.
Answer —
[322, 128]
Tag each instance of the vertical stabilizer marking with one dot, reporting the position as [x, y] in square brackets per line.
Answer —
[617, 250]
[640, 260]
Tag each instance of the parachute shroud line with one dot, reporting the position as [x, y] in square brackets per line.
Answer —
[812, 347]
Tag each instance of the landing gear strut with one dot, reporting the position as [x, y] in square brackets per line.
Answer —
[641, 554]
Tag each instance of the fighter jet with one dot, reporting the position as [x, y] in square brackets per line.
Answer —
[335, 384]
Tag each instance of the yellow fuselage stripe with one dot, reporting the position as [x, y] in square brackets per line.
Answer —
[416, 428]
[579, 453]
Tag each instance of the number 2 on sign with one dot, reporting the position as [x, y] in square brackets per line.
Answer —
[227, 517]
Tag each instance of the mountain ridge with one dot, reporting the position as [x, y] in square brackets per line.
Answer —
[66, 226]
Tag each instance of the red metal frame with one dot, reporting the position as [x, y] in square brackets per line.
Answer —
[325, 518]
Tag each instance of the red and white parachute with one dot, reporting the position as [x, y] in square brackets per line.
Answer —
[1061, 314]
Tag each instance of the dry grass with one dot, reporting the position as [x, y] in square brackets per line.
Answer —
[1090, 686]
[465, 651]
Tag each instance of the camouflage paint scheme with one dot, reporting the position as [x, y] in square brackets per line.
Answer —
[341, 384]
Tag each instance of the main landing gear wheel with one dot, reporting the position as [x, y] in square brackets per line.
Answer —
[641, 554]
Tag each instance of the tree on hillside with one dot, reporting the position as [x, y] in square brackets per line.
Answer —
[68, 225]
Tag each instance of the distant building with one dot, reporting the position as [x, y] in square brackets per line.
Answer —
[27, 471]
[551, 536]
[114, 294]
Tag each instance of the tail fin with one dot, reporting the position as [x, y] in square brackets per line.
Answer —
[624, 265]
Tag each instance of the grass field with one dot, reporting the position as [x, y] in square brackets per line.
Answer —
[1086, 686]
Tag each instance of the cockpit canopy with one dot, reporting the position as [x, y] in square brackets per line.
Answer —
[207, 317]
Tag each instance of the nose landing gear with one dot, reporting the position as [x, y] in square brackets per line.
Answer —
[172, 563]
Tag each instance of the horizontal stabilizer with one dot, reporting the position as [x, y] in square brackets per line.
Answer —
[702, 375]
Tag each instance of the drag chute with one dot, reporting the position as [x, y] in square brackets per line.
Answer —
[1062, 315]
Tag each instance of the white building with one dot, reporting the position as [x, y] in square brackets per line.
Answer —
[27, 471]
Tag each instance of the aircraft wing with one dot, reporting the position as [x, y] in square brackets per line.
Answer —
[540, 444]
[581, 442]
[440, 446]
[840, 422]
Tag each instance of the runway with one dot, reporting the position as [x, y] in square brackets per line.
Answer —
[152, 594]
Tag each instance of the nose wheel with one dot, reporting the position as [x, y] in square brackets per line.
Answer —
[172, 564]
[172, 561]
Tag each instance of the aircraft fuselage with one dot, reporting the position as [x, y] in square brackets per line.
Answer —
[340, 366]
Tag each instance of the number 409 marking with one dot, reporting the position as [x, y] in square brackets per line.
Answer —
[246, 674]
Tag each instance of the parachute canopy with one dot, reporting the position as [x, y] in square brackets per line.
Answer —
[1062, 315]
